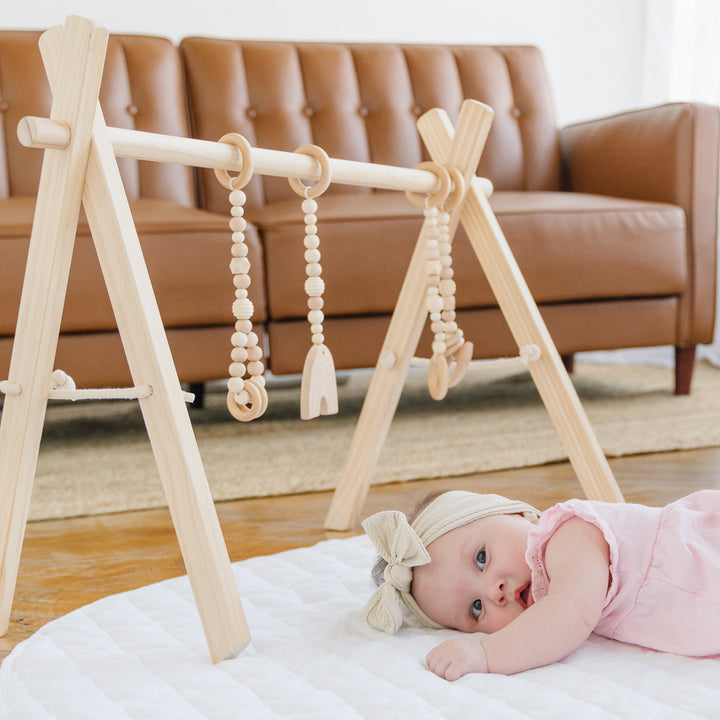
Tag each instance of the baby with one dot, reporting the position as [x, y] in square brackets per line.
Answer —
[537, 584]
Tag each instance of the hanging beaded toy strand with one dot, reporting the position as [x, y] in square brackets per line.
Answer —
[437, 369]
[457, 348]
[318, 391]
[448, 341]
[247, 398]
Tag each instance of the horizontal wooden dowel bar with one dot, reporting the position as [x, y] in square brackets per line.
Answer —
[44, 133]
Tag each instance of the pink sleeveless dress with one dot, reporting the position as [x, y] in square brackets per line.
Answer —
[664, 590]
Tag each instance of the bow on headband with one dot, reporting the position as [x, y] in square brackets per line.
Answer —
[400, 546]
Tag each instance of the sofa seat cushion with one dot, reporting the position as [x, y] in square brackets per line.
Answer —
[569, 246]
[185, 249]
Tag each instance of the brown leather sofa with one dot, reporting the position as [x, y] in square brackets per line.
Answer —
[613, 222]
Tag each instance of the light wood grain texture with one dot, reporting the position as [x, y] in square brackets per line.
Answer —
[80, 64]
[92, 174]
[527, 326]
[401, 339]
[44, 133]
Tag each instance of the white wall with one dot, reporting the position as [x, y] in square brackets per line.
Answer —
[593, 48]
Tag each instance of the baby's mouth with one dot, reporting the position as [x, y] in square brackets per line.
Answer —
[524, 597]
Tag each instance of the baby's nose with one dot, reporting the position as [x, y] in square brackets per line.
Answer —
[499, 593]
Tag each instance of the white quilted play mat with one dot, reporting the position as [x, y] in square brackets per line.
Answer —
[142, 654]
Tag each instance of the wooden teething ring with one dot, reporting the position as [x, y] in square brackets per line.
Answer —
[311, 191]
[243, 177]
[433, 199]
[456, 194]
[252, 408]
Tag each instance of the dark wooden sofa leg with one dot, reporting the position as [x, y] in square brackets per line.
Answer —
[684, 365]
[198, 389]
[569, 362]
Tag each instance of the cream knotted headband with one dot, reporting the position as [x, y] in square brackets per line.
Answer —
[404, 546]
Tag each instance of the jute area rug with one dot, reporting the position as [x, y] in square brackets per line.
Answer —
[95, 456]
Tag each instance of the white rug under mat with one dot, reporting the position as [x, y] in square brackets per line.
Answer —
[142, 654]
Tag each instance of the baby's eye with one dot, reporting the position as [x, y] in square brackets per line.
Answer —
[476, 609]
[480, 559]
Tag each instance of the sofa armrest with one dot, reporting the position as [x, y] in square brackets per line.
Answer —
[667, 153]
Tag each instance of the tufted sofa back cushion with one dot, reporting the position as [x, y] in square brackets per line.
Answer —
[361, 102]
[142, 89]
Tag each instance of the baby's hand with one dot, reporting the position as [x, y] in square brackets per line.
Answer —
[457, 657]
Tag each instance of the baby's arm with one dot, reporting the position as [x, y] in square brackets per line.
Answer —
[577, 561]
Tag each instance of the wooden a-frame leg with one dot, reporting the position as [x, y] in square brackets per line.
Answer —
[400, 342]
[527, 326]
[520, 311]
[57, 210]
[166, 417]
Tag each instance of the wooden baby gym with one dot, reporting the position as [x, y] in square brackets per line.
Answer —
[80, 169]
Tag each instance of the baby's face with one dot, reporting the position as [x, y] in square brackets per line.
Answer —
[477, 580]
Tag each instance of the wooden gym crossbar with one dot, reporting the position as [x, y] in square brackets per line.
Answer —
[80, 167]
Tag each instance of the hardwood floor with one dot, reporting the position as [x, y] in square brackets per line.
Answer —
[68, 563]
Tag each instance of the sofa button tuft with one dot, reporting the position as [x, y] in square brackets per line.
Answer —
[308, 111]
[417, 111]
[364, 112]
[516, 112]
[4, 106]
[132, 110]
[251, 113]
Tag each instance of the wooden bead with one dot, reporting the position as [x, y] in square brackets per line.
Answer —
[310, 219]
[239, 354]
[447, 287]
[314, 286]
[243, 309]
[241, 281]
[318, 339]
[311, 229]
[438, 348]
[236, 369]
[239, 339]
[312, 256]
[239, 249]
[316, 316]
[311, 242]
[252, 340]
[243, 326]
[315, 303]
[433, 267]
[237, 197]
[241, 293]
[434, 304]
[237, 211]
[309, 206]
[254, 353]
[239, 265]
[255, 368]
[313, 270]
[316, 329]
[237, 224]
[236, 384]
